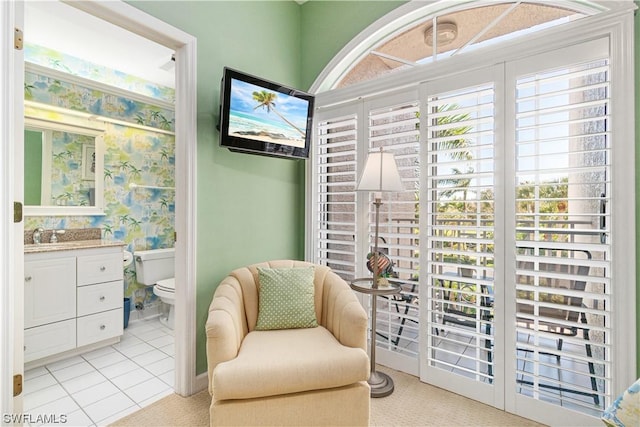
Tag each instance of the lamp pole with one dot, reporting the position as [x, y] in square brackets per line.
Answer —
[376, 268]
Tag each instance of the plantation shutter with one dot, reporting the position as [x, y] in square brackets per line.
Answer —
[396, 128]
[460, 226]
[336, 198]
[562, 271]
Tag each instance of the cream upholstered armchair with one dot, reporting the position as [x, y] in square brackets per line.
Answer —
[262, 372]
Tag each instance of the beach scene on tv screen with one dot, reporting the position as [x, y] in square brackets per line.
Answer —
[267, 115]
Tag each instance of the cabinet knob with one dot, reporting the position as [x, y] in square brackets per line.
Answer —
[102, 298]
[103, 268]
[27, 279]
[102, 327]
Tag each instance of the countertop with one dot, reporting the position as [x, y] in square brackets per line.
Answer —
[70, 245]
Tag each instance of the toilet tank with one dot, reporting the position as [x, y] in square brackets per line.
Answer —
[154, 265]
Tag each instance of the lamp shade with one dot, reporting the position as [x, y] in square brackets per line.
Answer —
[380, 173]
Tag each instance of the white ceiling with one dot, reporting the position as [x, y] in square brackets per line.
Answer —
[61, 27]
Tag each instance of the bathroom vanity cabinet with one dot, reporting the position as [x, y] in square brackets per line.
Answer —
[73, 300]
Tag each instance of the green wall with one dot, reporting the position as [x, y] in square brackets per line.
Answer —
[251, 208]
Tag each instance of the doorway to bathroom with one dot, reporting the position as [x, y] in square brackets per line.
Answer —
[184, 46]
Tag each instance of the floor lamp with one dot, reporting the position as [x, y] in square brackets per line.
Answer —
[380, 175]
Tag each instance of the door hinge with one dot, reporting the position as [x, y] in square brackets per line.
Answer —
[18, 39]
[17, 212]
[17, 385]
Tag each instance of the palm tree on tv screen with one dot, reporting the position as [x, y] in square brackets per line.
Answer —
[266, 100]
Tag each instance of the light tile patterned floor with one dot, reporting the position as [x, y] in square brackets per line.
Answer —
[101, 386]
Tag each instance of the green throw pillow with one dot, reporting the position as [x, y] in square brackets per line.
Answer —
[285, 298]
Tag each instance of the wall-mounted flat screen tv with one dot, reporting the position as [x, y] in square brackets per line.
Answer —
[261, 117]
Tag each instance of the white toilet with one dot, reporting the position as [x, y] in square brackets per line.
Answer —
[155, 268]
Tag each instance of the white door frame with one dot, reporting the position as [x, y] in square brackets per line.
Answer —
[145, 25]
[138, 22]
[11, 236]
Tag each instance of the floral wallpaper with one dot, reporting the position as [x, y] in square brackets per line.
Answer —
[52, 91]
[55, 60]
[141, 218]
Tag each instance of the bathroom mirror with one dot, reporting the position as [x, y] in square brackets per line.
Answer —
[63, 168]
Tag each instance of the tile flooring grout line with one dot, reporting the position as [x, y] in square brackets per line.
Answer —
[142, 367]
[68, 393]
[83, 359]
[107, 379]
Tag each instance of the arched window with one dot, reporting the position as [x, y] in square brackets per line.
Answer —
[416, 34]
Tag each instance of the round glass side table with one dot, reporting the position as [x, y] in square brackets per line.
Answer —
[381, 384]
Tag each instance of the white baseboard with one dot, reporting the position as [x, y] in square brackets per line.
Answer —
[202, 382]
[69, 353]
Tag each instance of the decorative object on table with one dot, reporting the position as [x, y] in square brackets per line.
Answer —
[380, 174]
[385, 266]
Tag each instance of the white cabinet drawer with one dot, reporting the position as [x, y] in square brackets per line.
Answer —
[49, 291]
[99, 268]
[46, 340]
[101, 326]
[102, 297]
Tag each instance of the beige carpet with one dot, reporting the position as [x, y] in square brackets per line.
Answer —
[412, 404]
